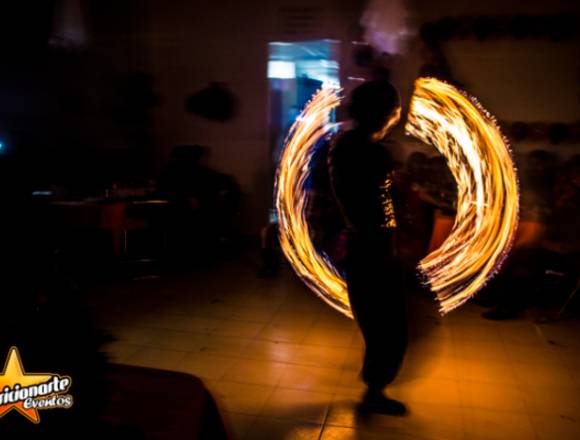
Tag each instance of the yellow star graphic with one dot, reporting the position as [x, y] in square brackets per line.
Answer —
[14, 374]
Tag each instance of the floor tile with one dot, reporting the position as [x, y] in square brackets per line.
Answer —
[283, 332]
[329, 337]
[223, 345]
[556, 427]
[521, 333]
[239, 329]
[265, 428]
[437, 367]
[430, 421]
[533, 354]
[132, 334]
[300, 405]
[310, 378]
[552, 400]
[283, 365]
[255, 372]
[491, 396]
[426, 390]
[480, 351]
[490, 371]
[157, 358]
[542, 374]
[238, 424]
[177, 340]
[497, 425]
[205, 365]
[242, 398]
[119, 351]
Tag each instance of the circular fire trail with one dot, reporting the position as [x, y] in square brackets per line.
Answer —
[291, 200]
[487, 201]
[487, 197]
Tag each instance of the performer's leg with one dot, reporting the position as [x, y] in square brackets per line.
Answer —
[380, 315]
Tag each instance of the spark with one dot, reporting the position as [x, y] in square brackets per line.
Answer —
[487, 202]
[487, 198]
[315, 269]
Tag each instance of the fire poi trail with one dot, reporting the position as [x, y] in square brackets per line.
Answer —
[487, 200]
[315, 269]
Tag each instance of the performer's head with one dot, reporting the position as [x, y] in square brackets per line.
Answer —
[375, 107]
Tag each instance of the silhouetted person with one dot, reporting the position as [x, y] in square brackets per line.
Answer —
[361, 170]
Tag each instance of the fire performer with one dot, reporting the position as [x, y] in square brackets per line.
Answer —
[361, 169]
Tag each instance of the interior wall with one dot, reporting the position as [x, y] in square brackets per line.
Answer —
[185, 45]
[528, 80]
[227, 41]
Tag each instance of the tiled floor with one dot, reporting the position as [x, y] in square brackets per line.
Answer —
[283, 365]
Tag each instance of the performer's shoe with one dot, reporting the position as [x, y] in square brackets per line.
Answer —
[376, 402]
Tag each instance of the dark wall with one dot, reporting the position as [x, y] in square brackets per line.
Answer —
[77, 115]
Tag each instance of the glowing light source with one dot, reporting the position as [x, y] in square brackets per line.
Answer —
[487, 204]
[281, 69]
[291, 200]
[487, 198]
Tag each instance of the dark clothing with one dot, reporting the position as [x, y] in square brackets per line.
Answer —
[322, 214]
[375, 291]
[359, 170]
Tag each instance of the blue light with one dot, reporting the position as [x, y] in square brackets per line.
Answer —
[42, 193]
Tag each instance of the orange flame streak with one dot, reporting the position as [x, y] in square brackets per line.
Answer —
[291, 200]
[487, 199]
[487, 204]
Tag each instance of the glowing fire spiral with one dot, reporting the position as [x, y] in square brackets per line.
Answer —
[487, 196]
[487, 201]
